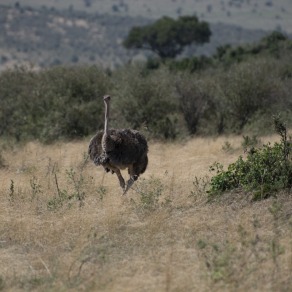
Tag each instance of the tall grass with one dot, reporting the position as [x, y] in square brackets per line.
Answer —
[65, 226]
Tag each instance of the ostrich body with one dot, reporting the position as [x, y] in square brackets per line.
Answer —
[117, 149]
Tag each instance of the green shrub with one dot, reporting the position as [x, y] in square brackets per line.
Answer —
[235, 100]
[66, 197]
[16, 103]
[274, 44]
[196, 101]
[149, 192]
[228, 55]
[190, 64]
[51, 104]
[75, 96]
[264, 171]
[144, 99]
[246, 89]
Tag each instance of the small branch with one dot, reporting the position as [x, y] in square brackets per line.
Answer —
[56, 180]
[46, 267]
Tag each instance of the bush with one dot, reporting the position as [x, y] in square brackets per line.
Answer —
[149, 196]
[149, 192]
[190, 64]
[265, 170]
[235, 100]
[246, 89]
[196, 103]
[15, 106]
[275, 44]
[144, 99]
[52, 104]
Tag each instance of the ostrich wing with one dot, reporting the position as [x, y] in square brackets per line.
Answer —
[95, 148]
[128, 147]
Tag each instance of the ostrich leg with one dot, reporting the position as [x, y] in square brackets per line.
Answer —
[130, 182]
[119, 175]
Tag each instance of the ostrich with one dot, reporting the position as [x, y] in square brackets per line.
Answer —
[117, 149]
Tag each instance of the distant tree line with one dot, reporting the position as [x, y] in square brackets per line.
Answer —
[235, 91]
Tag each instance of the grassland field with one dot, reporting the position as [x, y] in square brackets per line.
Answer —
[64, 225]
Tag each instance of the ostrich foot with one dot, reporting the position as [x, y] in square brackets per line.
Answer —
[130, 183]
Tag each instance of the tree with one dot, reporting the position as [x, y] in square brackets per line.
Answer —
[168, 37]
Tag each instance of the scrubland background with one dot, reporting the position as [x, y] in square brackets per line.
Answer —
[237, 90]
[66, 227]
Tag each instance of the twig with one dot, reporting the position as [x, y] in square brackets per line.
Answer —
[46, 267]
[56, 180]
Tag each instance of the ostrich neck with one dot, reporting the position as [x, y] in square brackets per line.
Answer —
[106, 140]
[106, 118]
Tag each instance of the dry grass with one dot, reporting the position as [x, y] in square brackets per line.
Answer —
[82, 235]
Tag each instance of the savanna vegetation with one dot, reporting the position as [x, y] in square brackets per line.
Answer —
[64, 225]
[264, 172]
[235, 91]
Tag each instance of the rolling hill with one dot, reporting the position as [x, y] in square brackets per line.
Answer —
[46, 33]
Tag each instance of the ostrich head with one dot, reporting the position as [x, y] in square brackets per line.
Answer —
[106, 98]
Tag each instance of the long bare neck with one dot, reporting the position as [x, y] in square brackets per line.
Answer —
[106, 118]
[105, 142]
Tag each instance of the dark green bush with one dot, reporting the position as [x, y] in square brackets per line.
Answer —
[52, 104]
[77, 108]
[149, 100]
[15, 105]
[264, 171]
[247, 88]
[217, 101]
[196, 101]
[190, 64]
[274, 44]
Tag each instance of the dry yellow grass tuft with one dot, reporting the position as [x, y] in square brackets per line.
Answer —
[64, 225]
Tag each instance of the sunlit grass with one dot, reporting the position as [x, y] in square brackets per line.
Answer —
[64, 224]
